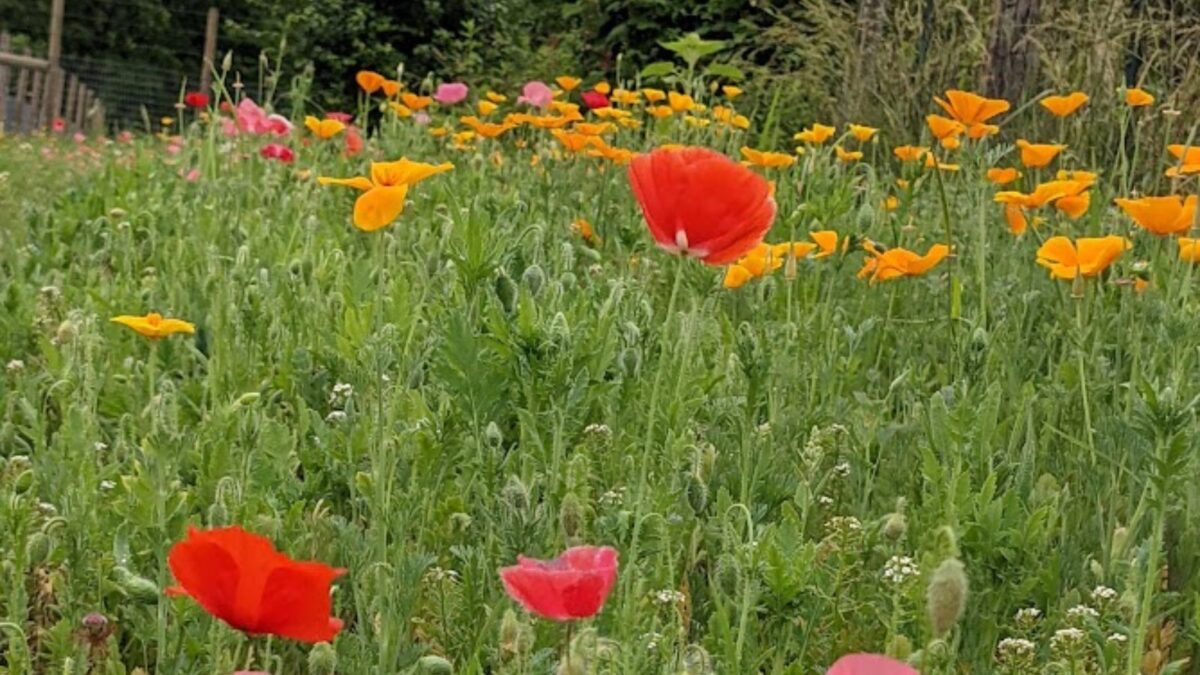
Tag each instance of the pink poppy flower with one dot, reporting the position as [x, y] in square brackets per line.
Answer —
[449, 93]
[278, 152]
[422, 118]
[125, 137]
[79, 137]
[254, 120]
[354, 142]
[342, 117]
[191, 176]
[572, 586]
[870, 664]
[536, 94]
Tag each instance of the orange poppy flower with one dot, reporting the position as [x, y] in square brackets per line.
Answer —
[763, 259]
[586, 232]
[154, 326]
[1074, 206]
[495, 97]
[891, 203]
[615, 155]
[391, 88]
[660, 111]
[400, 109]
[623, 97]
[1189, 249]
[767, 160]
[944, 127]
[1064, 106]
[1003, 176]
[593, 129]
[383, 194]
[415, 102]
[827, 242]
[861, 133]
[680, 102]
[566, 82]
[731, 92]
[978, 131]
[240, 578]
[950, 143]
[699, 203]
[654, 95]
[602, 87]
[897, 262]
[847, 155]
[1044, 193]
[486, 108]
[909, 153]
[1161, 215]
[439, 132]
[577, 142]
[369, 81]
[1138, 98]
[817, 134]
[324, 128]
[1187, 160]
[1078, 175]
[1037, 155]
[1014, 215]
[968, 108]
[1086, 257]
[740, 122]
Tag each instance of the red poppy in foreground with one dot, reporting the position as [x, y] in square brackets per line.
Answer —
[572, 586]
[195, 99]
[700, 203]
[870, 664]
[241, 579]
[594, 100]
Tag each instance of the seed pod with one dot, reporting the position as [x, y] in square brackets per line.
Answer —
[494, 436]
[322, 659]
[899, 647]
[37, 548]
[138, 588]
[895, 527]
[431, 664]
[534, 278]
[697, 493]
[947, 596]
[507, 292]
[515, 493]
[218, 515]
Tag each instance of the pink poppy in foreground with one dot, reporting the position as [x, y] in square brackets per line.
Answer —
[572, 586]
[253, 119]
[278, 152]
[594, 100]
[449, 93]
[870, 664]
[537, 94]
[342, 117]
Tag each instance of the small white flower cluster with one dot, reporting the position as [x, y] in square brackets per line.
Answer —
[1082, 613]
[106, 485]
[342, 391]
[825, 500]
[336, 416]
[652, 640]
[764, 429]
[15, 366]
[1103, 595]
[99, 446]
[899, 569]
[437, 574]
[614, 497]
[668, 596]
[1028, 615]
[1067, 639]
[599, 430]
[842, 469]
[843, 525]
[1118, 638]
[1011, 649]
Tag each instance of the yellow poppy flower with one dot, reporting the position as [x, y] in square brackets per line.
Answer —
[566, 82]
[593, 128]
[950, 143]
[817, 134]
[680, 102]
[154, 326]
[1037, 155]
[827, 242]
[1064, 106]
[324, 129]
[438, 132]
[1138, 98]
[660, 111]
[697, 122]
[1078, 175]
[766, 160]
[614, 155]
[847, 156]
[740, 122]
[654, 95]
[495, 97]
[1189, 249]
[623, 97]
[891, 203]
[862, 133]
[577, 142]
[383, 194]
[487, 108]
[731, 92]
[896, 263]
[400, 109]
[602, 88]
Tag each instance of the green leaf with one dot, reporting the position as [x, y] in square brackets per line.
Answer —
[725, 72]
[691, 48]
[658, 69]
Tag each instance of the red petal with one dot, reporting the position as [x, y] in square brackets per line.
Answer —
[295, 603]
[534, 590]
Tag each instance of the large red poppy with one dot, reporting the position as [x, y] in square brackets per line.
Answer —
[572, 586]
[195, 99]
[870, 664]
[242, 580]
[700, 203]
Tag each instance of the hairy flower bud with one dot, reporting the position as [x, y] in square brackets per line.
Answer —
[947, 596]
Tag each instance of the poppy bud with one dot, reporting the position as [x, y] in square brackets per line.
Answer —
[572, 516]
[117, 213]
[66, 333]
[697, 493]
[895, 527]
[322, 659]
[494, 436]
[899, 647]
[227, 62]
[726, 574]
[706, 459]
[431, 664]
[139, 589]
[506, 291]
[515, 494]
[946, 596]
[631, 361]
[697, 661]
[572, 666]
[1045, 489]
[1120, 538]
[534, 278]
[37, 548]
[516, 637]
[218, 515]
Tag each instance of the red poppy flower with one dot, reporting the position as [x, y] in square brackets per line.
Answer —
[594, 99]
[701, 203]
[280, 152]
[870, 664]
[572, 586]
[242, 580]
[354, 142]
[196, 99]
[59, 125]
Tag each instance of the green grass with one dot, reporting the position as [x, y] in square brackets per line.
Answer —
[764, 452]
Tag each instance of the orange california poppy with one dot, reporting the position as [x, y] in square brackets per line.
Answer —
[614, 155]
[1014, 215]
[767, 160]
[324, 128]
[593, 128]
[909, 153]
[731, 92]
[827, 242]
[154, 326]
[660, 111]
[1075, 205]
[1189, 249]
[1161, 215]
[240, 578]
[847, 155]
[1044, 194]
[1138, 98]
[391, 88]
[699, 203]
[1078, 175]
[369, 81]
[680, 102]
[969, 108]
[585, 231]
[400, 109]
[654, 95]
[944, 127]
[576, 142]
[1086, 257]
[1037, 155]
[602, 87]
[415, 102]
[817, 134]
[623, 97]
[980, 130]
[1187, 160]
[861, 133]
[1003, 175]
[486, 107]
[383, 194]
[1064, 106]
[567, 83]
[898, 262]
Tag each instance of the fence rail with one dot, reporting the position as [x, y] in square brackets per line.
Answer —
[37, 94]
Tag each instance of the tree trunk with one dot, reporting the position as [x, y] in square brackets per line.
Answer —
[1012, 56]
[864, 74]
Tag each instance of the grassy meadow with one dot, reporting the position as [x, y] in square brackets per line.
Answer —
[789, 469]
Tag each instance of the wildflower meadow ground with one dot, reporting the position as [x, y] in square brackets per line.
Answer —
[591, 377]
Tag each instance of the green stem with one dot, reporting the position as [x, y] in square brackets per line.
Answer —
[1083, 387]
[1149, 582]
[953, 306]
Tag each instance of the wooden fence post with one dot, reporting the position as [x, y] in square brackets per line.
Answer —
[68, 112]
[54, 75]
[36, 108]
[4, 77]
[81, 104]
[210, 49]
